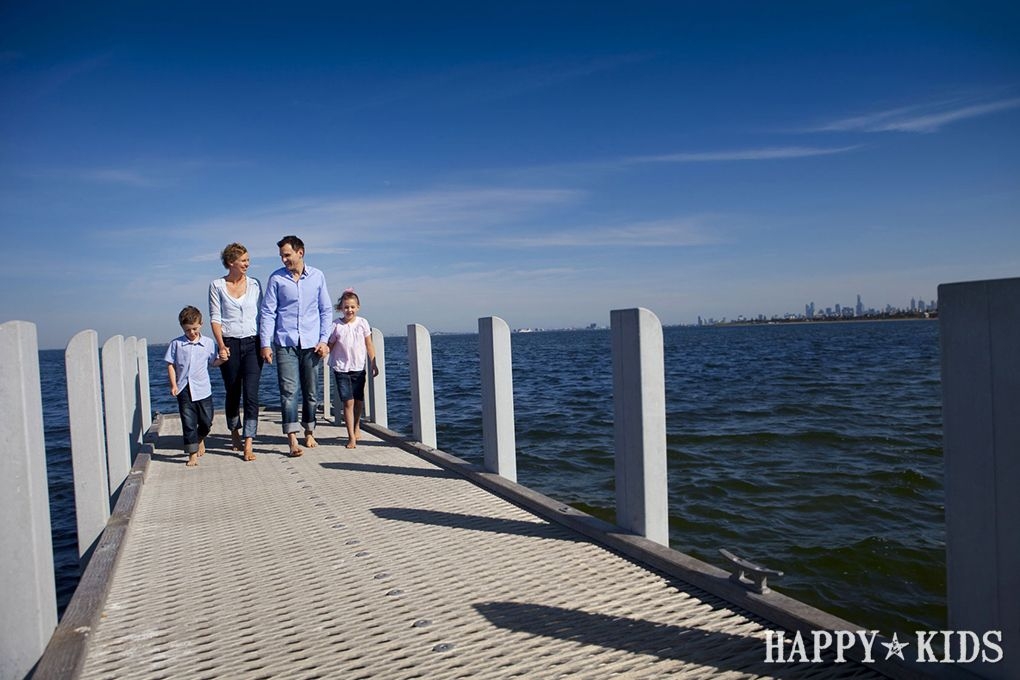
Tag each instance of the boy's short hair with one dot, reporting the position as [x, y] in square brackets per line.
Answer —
[189, 315]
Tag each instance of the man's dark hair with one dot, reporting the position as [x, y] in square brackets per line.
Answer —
[292, 241]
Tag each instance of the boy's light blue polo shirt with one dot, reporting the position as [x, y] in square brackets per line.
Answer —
[191, 363]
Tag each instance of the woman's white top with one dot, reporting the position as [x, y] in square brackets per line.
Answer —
[239, 317]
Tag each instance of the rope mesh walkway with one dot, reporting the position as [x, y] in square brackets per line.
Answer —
[373, 563]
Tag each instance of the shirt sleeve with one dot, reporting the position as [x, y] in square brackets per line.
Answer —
[325, 312]
[214, 304]
[267, 310]
[258, 304]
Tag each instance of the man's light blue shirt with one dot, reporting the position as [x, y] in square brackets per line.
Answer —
[296, 313]
[191, 364]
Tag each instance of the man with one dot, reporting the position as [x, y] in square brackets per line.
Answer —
[297, 317]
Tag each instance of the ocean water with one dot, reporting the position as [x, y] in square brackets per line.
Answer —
[815, 449]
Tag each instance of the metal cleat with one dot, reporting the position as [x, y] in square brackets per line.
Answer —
[748, 573]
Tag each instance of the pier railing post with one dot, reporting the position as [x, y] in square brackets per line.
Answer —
[376, 404]
[327, 395]
[979, 329]
[639, 426]
[132, 394]
[88, 439]
[118, 427]
[145, 396]
[28, 598]
[423, 402]
[499, 442]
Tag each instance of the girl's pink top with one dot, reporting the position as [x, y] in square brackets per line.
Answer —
[349, 352]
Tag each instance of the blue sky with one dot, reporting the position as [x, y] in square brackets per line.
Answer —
[544, 162]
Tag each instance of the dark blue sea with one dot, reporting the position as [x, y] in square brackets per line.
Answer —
[815, 449]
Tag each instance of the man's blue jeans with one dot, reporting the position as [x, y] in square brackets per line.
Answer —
[298, 369]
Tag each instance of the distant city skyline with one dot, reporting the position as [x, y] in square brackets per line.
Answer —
[835, 311]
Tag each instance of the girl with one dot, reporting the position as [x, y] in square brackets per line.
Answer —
[350, 348]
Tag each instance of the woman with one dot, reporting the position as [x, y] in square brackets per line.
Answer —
[234, 302]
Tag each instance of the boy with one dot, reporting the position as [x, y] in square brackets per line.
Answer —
[188, 360]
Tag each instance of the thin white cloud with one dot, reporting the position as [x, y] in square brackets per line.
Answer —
[121, 176]
[923, 118]
[649, 234]
[337, 223]
[54, 78]
[484, 81]
[759, 154]
[139, 173]
[505, 82]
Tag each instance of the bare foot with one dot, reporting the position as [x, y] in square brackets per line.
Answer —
[352, 444]
[310, 440]
[201, 449]
[248, 455]
[235, 440]
[193, 459]
[295, 450]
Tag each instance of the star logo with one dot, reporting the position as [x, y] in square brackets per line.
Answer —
[895, 647]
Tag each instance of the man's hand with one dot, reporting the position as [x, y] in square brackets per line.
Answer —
[267, 355]
[322, 349]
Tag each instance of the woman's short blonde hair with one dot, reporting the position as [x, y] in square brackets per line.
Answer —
[231, 253]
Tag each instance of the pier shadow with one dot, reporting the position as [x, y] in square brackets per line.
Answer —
[389, 469]
[713, 649]
[477, 523]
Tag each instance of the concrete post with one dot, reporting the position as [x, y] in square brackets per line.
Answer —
[88, 439]
[132, 394]
[639, 426]
[327, 394]
[28, 596]
[423, 402]
[145, 396]
[118, 427]
[375, 405]
[499, 443]
[979, 325]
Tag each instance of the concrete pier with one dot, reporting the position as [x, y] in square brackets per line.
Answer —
[385, 561]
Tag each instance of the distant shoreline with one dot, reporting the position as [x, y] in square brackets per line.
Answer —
[929, 316]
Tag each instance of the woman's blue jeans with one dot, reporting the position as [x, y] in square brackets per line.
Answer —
[241, 374]
[298, 369]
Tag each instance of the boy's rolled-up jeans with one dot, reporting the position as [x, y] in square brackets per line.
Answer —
[296, 369]
[196, 418]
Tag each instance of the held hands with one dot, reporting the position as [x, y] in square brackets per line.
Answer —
[224, 352]
[322, 349]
